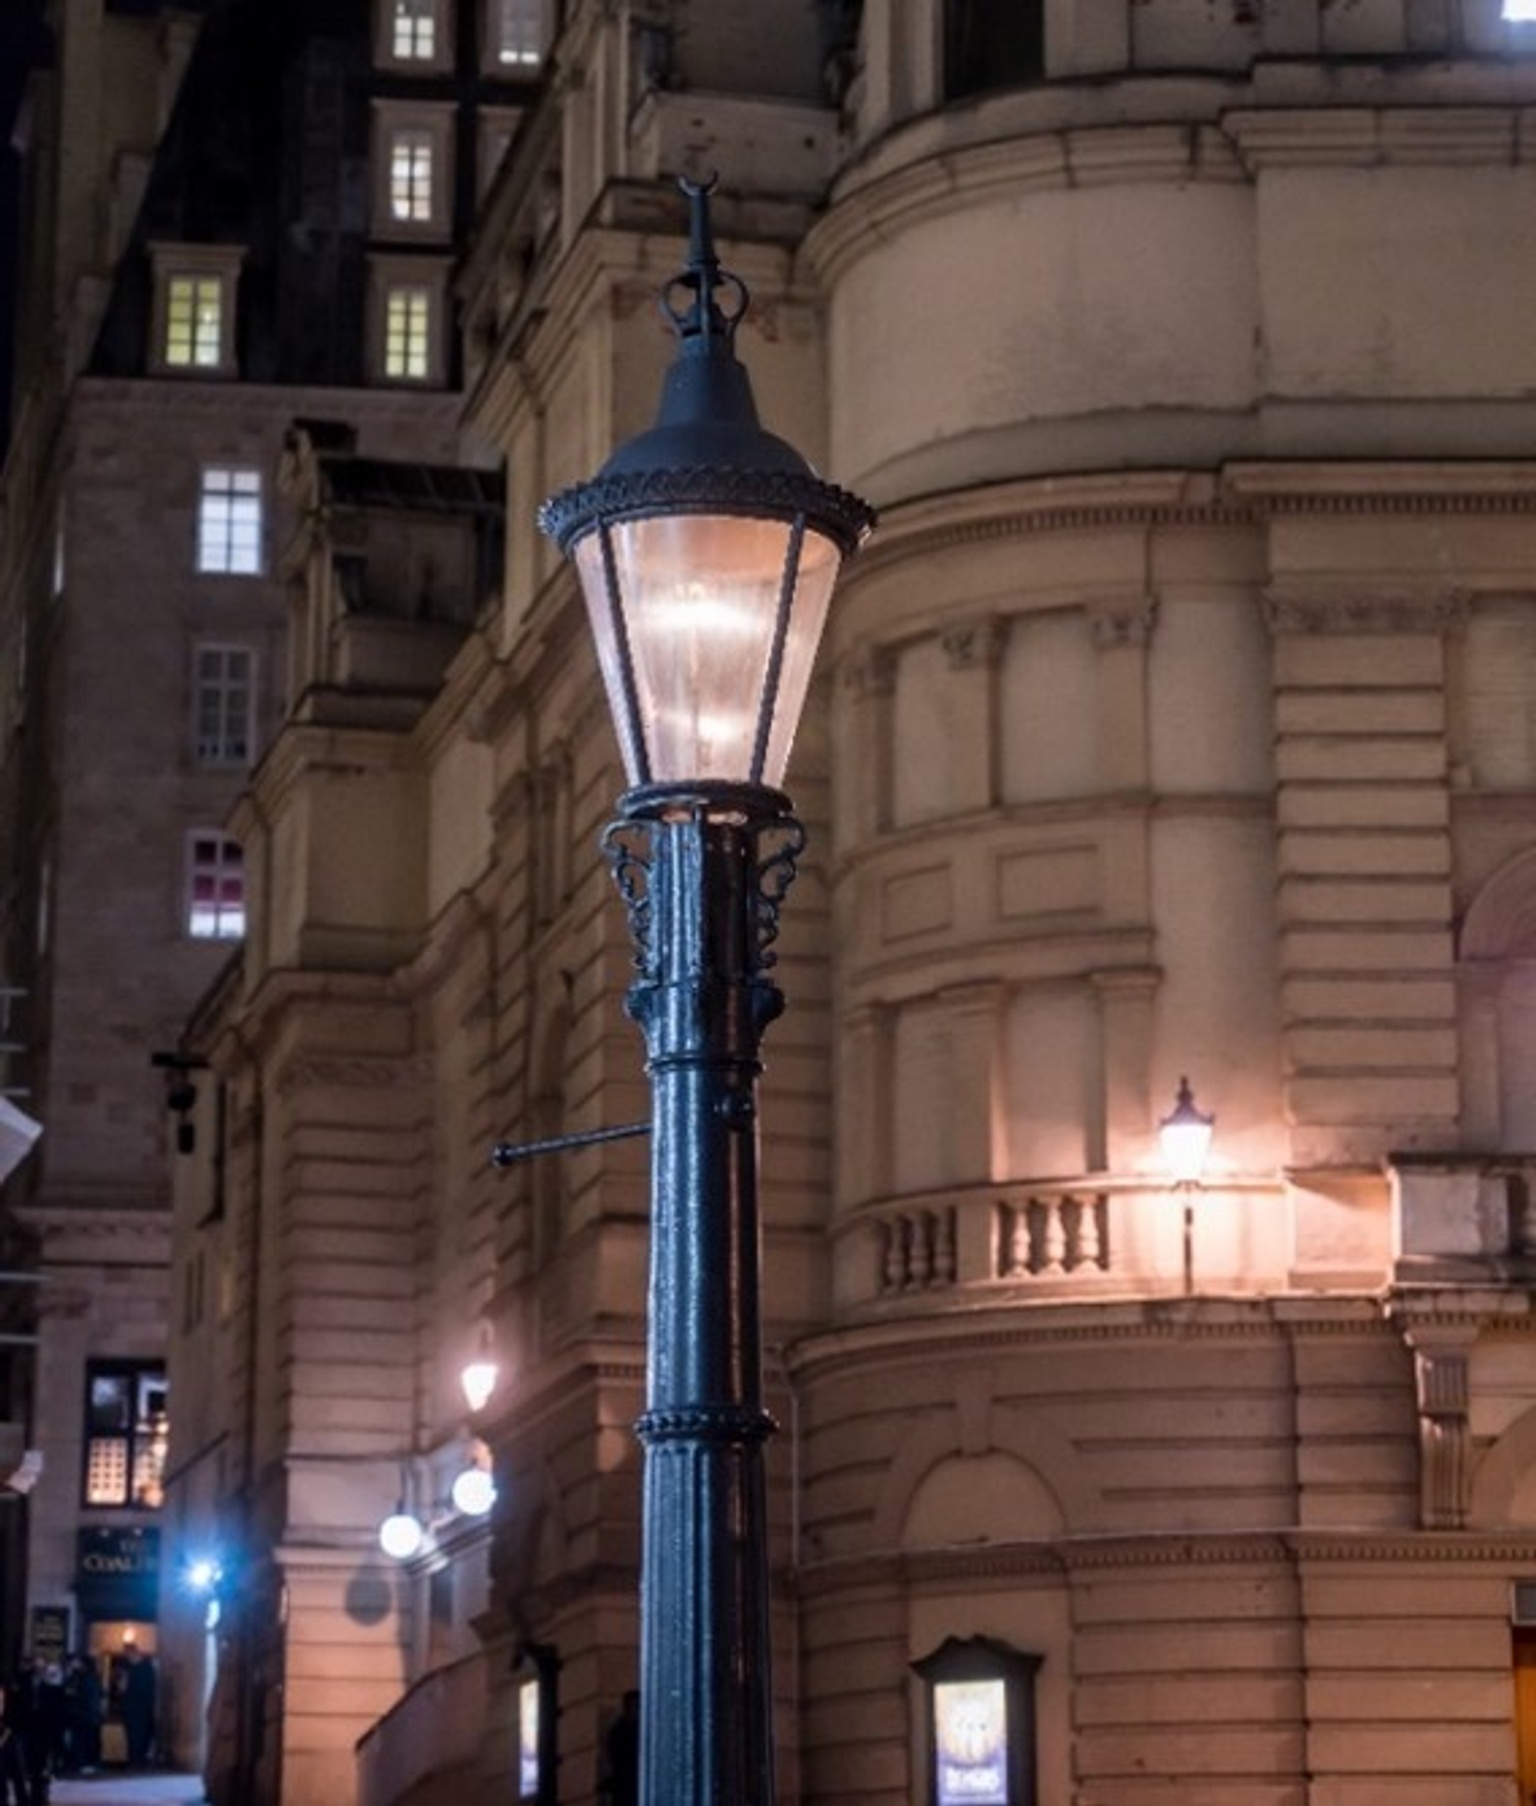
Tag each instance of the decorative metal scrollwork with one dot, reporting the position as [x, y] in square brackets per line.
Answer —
[626, 846]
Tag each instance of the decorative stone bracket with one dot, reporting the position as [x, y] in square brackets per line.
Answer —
[1440, 1362]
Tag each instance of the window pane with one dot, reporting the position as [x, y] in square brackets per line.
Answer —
[518, 27]
[222, 705]
[229, 521]
[410, 175]
[413, 30]
[215, 889]
[106, 1471]
[194, 311]
[109, 1409]
[407, 333]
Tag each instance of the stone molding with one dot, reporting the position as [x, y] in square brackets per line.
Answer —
[1121, 621]
[1369, 137]
[1173, 1549]
[1360, 609]
[975, 645]
[354, 1073]
[876, 1342]
[870, 213]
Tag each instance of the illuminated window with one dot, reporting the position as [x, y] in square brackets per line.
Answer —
[981, 1723]
[229, 521]
[517, 35]
[215, 888]
[222, 704]
[194, 322]
[413, 30]
[408, 333]
[410, 175]
[127, 1429]
[1520, 12]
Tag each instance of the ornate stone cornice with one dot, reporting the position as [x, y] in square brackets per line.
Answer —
[1357, 608]
[1064, 1556]
[971, 1329]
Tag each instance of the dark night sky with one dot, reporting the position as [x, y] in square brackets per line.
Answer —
[22, 42]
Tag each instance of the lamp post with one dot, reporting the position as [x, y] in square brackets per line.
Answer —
[707, 550]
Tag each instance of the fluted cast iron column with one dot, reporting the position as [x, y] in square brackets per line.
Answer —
[702, 870]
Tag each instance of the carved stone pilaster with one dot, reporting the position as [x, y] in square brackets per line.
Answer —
[871, 672]
[1122, 621]
[975, 645]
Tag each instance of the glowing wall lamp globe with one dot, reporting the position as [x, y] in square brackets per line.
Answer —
[706, 550]
[473, 1492]
[1184, 1135]
[401, 1534]
[479, 1374]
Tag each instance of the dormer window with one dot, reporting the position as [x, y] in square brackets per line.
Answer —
[412, 35]
[411, 170]
[413, 31]
[517, 36]
[407, 306]
[194, 312]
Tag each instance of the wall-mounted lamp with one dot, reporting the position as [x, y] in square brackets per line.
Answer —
[1185, 1138]
[180, 1093]
[480, 1372]
[203, 1575]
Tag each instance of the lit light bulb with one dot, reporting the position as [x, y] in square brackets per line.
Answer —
[401, 1535]
[479, 1381]
[474, 1492]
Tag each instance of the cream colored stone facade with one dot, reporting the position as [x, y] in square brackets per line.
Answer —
[1180, 719]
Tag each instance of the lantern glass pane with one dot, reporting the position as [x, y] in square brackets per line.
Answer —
[819, 563]
[701, 599]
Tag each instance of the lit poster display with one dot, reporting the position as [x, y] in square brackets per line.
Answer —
[971, 1743]
[528, 1740]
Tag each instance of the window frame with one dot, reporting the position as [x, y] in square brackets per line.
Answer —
[386, 55]
[216, 267]
[392, 121]
[388, 278]
[222, 527]
[223, 689]
[525, 66]
[137, 1436]
[209, 862]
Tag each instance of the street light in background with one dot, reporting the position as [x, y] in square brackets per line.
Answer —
[479, 1374]
[1185, 1138]
[707, 550]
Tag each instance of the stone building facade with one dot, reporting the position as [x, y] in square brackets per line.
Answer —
[1178, 721]
[231, 220]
